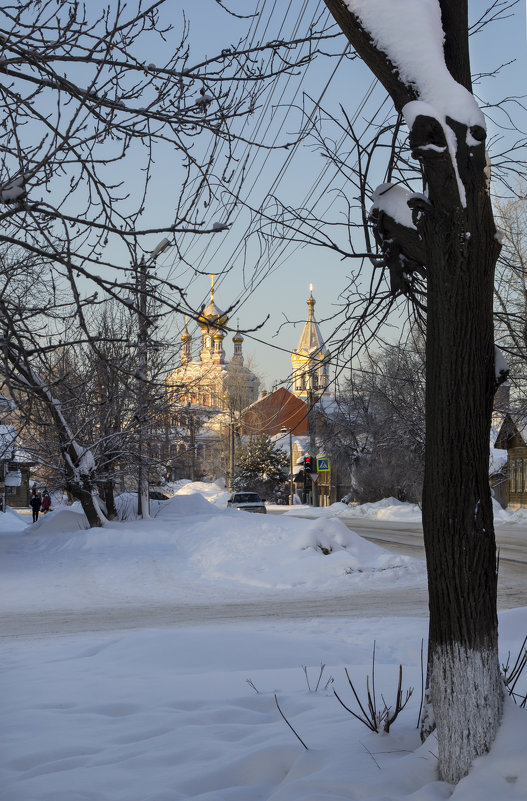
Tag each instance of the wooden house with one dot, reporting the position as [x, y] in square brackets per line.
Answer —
[512, 437]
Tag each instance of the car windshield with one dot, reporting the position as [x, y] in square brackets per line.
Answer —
[247, 497]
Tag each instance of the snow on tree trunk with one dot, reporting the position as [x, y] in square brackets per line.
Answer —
[403, 45]
[458, 528]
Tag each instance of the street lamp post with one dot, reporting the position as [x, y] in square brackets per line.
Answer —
[291, 488]
[143, 501]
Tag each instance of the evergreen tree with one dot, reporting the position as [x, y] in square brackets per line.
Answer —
[261, 466]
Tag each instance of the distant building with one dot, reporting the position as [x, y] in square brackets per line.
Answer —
[310, 359]
[15, 467]
[274, 412]
[512, 437]
[208, 394]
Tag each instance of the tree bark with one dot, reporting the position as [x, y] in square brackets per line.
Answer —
[463, 666]
[460, 251]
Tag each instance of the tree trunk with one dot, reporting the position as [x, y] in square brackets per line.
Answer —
[460, 246]
[90, 504]
[109, 499]
[464, 675]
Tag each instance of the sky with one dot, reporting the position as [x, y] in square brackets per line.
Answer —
[266, 279]
[130, 671]
[289, 271]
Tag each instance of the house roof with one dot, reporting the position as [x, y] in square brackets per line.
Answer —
[508, 431]
[277, 410]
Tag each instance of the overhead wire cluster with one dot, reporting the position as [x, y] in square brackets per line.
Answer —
[260, 174]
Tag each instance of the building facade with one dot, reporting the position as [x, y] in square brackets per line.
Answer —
[310, 359]
[207, 395]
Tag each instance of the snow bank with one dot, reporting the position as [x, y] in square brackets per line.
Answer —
[387, 509]
[61, 521]
[11, 522]
[213, 492]
[187, 504]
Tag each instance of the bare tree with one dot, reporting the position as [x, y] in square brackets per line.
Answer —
[88, 120]
[510, 295]
[376, 432]
[88, 117]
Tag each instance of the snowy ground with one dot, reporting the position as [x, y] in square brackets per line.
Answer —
[190, 712]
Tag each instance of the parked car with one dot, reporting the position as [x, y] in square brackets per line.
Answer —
[247, 501]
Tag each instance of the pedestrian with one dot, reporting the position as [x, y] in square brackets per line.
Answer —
[36, 503]
[46, 502]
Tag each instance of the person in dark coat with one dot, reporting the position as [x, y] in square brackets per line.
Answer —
[46, 502]
[36, 503]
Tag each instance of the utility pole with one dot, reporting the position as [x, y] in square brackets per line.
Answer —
[143, 500]
[312, 437]
[291, 491]
[192, 447]
[231, 452]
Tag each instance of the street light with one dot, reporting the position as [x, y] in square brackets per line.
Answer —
[143, 500]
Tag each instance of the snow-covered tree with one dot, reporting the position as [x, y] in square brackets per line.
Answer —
[446, 234]
[260, 465]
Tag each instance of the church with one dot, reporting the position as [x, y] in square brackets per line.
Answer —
[208, 394]
[215, 399]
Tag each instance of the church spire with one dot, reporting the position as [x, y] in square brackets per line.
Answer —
[186, 339]
[310, 359]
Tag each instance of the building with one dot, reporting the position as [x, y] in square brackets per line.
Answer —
[310, 359]
[15, 467]
[207, 394]
[276, 412]
[512, 437]
[292, 418]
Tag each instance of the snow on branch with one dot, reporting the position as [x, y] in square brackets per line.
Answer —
[410, 33]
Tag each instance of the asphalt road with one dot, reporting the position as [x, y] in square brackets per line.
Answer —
[407, 538]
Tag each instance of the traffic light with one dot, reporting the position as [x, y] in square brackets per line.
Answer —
[308, 464]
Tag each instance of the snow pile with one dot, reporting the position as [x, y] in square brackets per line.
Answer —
[186, 504]
[60, 521]
[214, 492]
[11, 522]
[283, 553]
[387, 509]
[332, 536]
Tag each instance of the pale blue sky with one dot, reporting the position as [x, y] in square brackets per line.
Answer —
[282, 294]
[280, 284]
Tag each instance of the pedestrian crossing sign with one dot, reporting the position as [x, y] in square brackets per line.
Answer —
[322, 465]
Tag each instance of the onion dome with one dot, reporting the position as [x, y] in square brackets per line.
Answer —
[237, 336]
